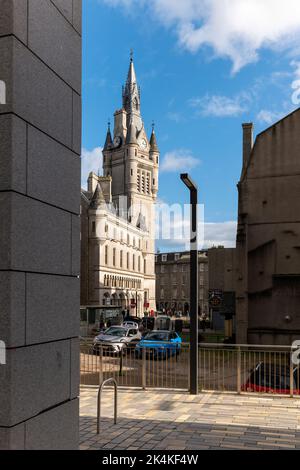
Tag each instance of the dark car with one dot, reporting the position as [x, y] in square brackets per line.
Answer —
[271, 378]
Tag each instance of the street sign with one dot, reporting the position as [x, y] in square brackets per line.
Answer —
[215, 298]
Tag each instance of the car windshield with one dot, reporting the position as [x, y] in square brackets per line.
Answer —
[116, 331]
[157, 336]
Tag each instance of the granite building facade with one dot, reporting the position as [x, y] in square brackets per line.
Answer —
[268, 237]
[40, 147]
[118, 216]
[173, 282]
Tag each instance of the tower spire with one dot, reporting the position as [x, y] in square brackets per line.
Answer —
[131, 93]
[153, 142]
[108, 140]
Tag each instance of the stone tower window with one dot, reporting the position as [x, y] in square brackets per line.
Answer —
[143, 182]
[139, 181]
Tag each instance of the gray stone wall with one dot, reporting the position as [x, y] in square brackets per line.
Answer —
[268, 241]
[40, 146]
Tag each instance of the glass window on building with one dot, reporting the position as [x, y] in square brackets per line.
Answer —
[106, 255]
[114, 257]
[164, 258]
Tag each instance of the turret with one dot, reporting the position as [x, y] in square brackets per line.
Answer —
[108, 140]
[107, 150]
[98, 199]
[154, 156]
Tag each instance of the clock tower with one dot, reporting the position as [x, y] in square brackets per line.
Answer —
[131, 159]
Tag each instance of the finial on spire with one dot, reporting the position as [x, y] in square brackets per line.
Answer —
[108, 124]
[131, 55]
[153, 125]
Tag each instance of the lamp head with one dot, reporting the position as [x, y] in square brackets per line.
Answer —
[185, 177]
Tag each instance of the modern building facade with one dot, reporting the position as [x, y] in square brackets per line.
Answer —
[118, 216]
[268, 237]
[222, 289]
[40, 147]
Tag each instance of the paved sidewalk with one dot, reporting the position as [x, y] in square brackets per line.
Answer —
[167, 420]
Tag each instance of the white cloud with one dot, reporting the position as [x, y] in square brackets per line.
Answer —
[269, 117]
[179, 160]
[234, 29]
[221, 106]
[220, 233]
[215, 234]
[91, 160]
[175, 116]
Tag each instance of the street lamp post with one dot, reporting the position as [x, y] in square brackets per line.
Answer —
[193, 284]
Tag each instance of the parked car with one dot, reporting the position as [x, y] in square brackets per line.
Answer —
[130, 324]
[271, 378]
[159, 344]
[117, 339]
[132, 318]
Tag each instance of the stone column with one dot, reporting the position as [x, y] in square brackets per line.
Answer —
[40, 146]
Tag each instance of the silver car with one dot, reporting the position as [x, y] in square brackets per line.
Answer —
[117, 339]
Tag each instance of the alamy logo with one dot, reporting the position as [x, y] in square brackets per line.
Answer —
[2, 92]
[296, 94]
[296, 353]
[2, 353]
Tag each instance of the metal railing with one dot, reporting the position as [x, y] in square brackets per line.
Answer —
[221, 367]
[106, 382]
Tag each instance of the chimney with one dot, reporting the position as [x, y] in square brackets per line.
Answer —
[247, 142]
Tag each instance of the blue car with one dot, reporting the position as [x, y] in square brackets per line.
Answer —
[159, 344]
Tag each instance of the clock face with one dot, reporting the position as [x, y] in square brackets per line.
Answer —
[117, 141]
[144, 144]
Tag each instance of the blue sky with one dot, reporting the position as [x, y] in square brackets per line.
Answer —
[204, 67]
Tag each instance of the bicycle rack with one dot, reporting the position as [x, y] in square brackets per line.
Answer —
[105, 382]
